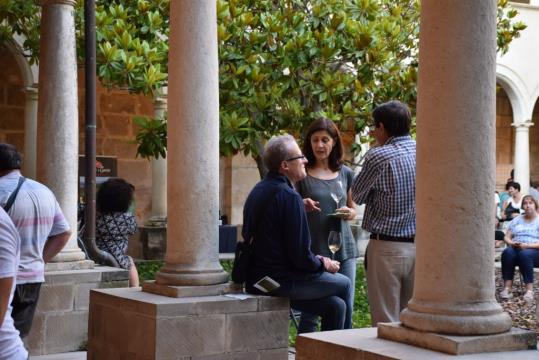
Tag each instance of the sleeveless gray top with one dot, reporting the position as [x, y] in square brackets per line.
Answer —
[320, 223]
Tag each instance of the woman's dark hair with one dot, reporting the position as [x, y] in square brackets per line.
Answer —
[336, 155]
[114, 195]
[395, 116]
[513, 184]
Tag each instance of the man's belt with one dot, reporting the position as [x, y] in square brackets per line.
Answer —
[392, 238]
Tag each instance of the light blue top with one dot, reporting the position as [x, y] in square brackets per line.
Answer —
[523, 231]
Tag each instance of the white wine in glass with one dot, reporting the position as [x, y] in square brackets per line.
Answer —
[334, 242]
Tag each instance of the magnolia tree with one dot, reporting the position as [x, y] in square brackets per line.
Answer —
[282, 63]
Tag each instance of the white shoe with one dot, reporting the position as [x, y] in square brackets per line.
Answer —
[506, 294]
[528, 297]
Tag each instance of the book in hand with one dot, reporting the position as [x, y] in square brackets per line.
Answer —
[267, 284]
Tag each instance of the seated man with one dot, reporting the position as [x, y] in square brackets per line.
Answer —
[274, 215]
[11, 346]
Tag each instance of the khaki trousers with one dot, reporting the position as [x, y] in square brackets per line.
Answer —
[390, 278]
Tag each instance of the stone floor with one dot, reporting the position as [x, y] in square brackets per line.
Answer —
[81, 355]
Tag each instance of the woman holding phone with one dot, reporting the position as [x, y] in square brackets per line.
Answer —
[522, 238]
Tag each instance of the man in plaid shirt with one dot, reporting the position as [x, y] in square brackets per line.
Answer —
[386, 184]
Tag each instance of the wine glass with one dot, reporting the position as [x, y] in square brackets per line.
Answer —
[334, 242]
[337, 198]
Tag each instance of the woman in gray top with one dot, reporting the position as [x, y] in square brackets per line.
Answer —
[328, 201]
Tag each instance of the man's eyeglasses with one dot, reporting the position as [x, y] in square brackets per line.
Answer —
[296, 158]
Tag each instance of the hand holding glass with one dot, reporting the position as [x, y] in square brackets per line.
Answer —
[334, 242]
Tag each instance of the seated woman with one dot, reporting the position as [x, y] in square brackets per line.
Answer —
[522, 238]
[114, 223]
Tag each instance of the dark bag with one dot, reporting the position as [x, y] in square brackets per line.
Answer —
[242, 261]
[243, 256]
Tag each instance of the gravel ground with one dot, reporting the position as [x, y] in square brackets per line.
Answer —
[523, 315]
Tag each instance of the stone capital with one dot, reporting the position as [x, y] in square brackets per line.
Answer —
[522, 125]
[31, 92]
[58, 2]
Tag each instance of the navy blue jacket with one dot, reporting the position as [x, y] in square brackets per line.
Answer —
[282, 241]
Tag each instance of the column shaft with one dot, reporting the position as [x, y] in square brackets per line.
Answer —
[58, 145]
[522, 155]
[454, 274]
[30, 132]
[193, 147]
[159, 173]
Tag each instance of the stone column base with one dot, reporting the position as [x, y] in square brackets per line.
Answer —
[132, 324]
[70, 265]
[363, 344]
[514, 339]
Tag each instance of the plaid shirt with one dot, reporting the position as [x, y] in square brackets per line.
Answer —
[386, 184]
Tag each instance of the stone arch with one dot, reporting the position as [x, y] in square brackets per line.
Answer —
[29, 72]
[515, 89]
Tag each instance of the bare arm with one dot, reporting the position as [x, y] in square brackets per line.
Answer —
[5, 291]
[508, 238]
[54, 245]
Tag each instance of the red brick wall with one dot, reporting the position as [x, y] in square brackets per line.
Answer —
[12, 100]
[115, 128]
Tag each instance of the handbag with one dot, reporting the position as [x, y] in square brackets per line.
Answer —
[244, 253]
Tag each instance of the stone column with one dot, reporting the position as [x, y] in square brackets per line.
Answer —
[522, 155]
[158, 213]
[58, 142]
[193, 147]
[30, 132]
[454, 274]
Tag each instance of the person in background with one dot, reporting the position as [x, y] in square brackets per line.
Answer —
[114, 223]
[42, 228]
[386, 184]
[511, 206]
[11, 346]
[534, 186]
[274, 216]
[522, 238]
[326, 190]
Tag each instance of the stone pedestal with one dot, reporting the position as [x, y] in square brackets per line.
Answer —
[363, 344]
[61, 319]
[131, 324]
[154, 242]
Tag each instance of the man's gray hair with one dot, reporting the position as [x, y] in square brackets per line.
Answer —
[276, 151]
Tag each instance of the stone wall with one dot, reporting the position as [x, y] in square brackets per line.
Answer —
[61, 319]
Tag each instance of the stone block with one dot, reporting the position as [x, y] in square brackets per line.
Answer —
[257, 331]
[113, 274]
[35, 341]
[516, 339]
[273, 354]
[270, 303]
[65, 331]
[69, 265]
[117, 126]
[363, 344]
[206, 336]
[204, 328]
[184, 291]
[56, 298]
[116, 102]
[70, 277]
[82, 295]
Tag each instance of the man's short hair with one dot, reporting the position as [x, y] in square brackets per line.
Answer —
[276, 151]
[10, 159]
[395, 116]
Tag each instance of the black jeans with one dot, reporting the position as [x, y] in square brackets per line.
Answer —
[24, 306]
